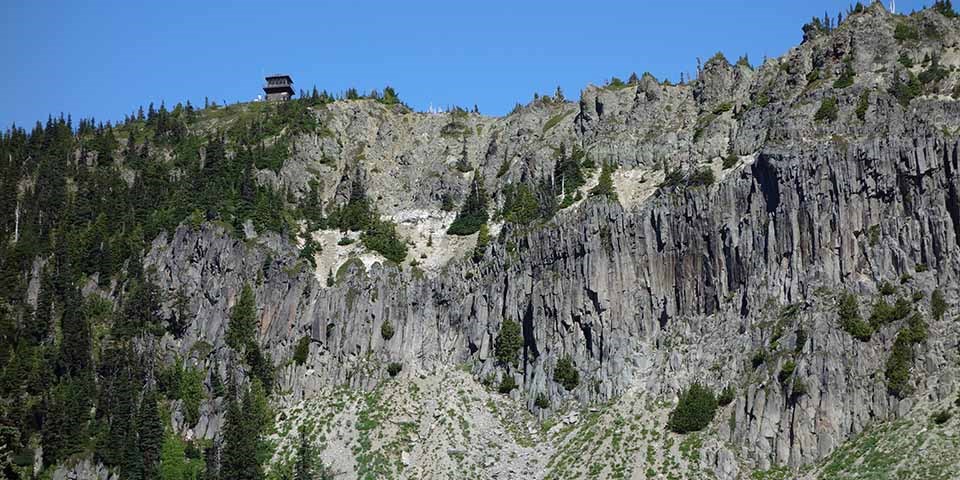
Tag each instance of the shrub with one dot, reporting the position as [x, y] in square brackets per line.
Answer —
[394, 368]
[801, 339]
[672, 178]
[483, 239]
[941, 417]
[798, 390]
[723, 108]
[828, 110]
[887, 289]
[786, 371]
[905, 31]
[566, 373]
[694, 411]
[509, 342]
[905, 60]
[726, 396]
[933, 74]
[701, 177]
[345, 241]
[730, 161]
[905, 91]
[759, 358]
[846, 76]
[386, 330]
[883, 313]
[938, 305]
[850, 320]
[302, 351]
[542, 402]
[507, 384]
[381, 236]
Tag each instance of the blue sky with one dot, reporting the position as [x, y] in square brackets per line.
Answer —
[104, 59]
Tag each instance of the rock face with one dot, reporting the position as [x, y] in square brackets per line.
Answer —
[686, 286]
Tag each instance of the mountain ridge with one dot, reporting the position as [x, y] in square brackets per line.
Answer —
[741, 210]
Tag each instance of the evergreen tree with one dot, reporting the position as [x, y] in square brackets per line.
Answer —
[473, 213]
[241, 331]
[75, 349]
[307, 466]
[241, 434]
[150, 436]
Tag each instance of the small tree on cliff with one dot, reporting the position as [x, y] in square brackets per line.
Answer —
[241, 331]
[509, 342]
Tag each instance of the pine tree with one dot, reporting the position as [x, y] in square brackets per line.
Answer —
[241, 331]
[75, 349]
[473, 213]
[241, 434]
[150, 436]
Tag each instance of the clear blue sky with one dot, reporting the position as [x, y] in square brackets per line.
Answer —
[105, 58]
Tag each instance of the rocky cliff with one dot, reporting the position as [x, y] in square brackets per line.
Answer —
[750, 200]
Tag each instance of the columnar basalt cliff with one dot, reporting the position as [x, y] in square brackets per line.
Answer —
[749, 202]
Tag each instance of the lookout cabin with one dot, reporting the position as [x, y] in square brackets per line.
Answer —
[278, 87]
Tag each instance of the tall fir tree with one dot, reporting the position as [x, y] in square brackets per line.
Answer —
[150, 430]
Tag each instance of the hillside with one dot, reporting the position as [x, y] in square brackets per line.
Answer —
[239, 291]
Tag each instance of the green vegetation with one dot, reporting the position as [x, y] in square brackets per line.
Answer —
[473, 213]
[541, 402]
[386, 330]
[862, 105]
[934, 73]
[302, 350]
[554, 120]
[883, 313]
[507, 384]
[568, 173]
[97, 196]
[846, 76]
[786, 371]
[726, 396]
[306, 465]
[701, 177]
[905, 90]
[247, 421]
[938, 305]
[604, 187]
[941, 416]
[851, 322]
[483, 240]
[242, 328]
[566, 373]
[694, 411]
[723, 108]
[394, 368]
[730, 161]
[905, 32]
[759, 358]
[509, 342]
[897, 369]
[520, 205]
[828, 110]
[945, 8]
